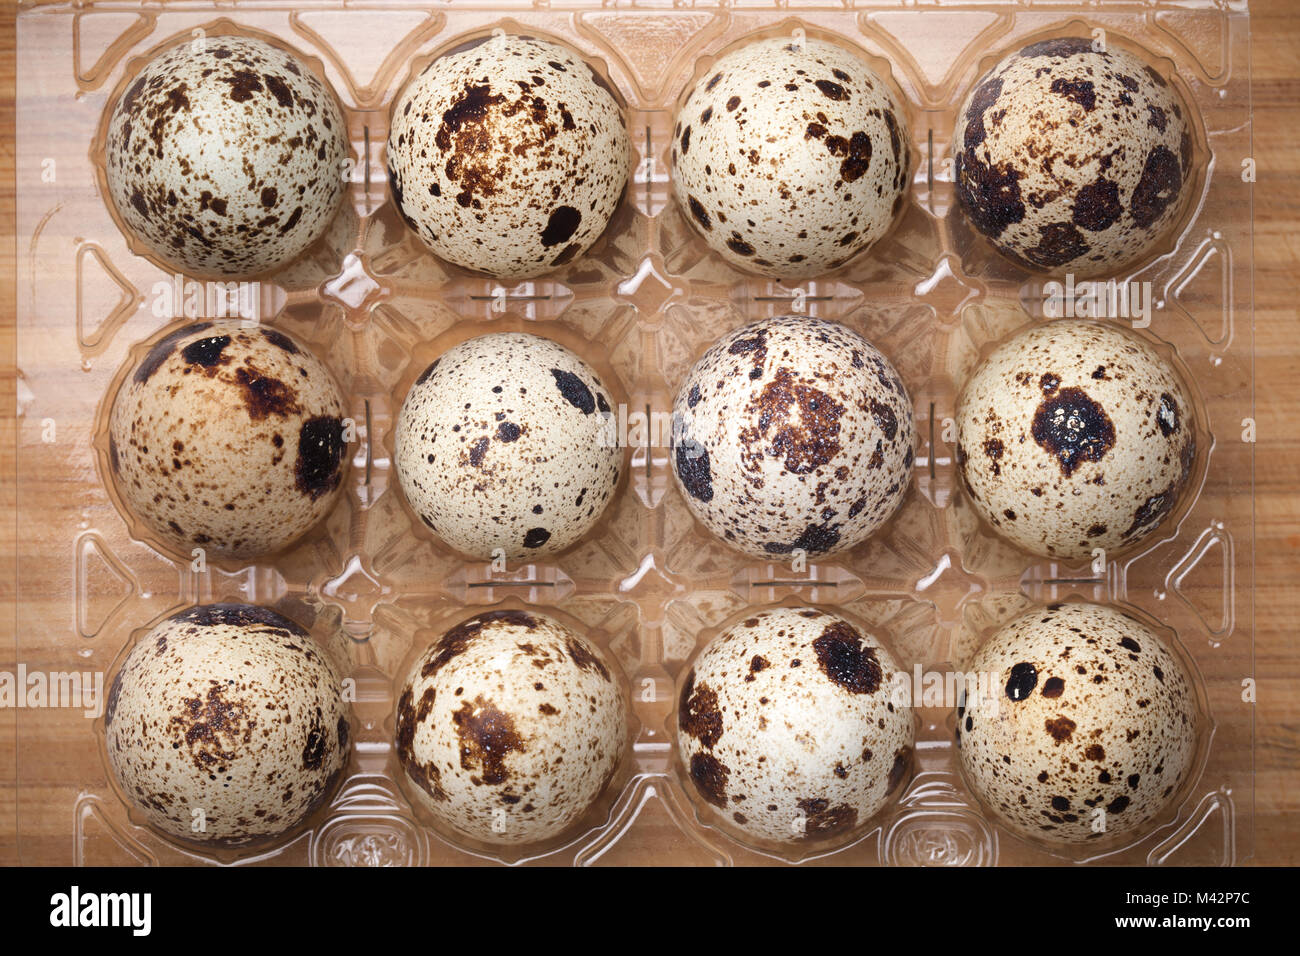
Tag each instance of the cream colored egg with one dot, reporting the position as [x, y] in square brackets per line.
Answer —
[509, 157]
[1074, 160]
[505, 442]
[226, 725]
[1074, 436]
[789, 158]
[1089, 729]
[510, 726]
[225, 156]
[793, 434]
[228, 439]
[788, 728]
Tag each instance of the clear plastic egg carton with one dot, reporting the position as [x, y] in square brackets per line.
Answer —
[649, 583]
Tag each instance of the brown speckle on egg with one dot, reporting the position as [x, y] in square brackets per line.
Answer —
[506, 442]
[1075, 461]
[1072, 760]
[229, 438]
[224, 157]
[226, 725]
[793, 744]
[486, 734]
[486, 141]
[822, 154]
[793, 434]
[1075, 160]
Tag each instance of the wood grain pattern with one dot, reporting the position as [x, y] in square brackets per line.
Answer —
[1275, 30]
[1275, 65]
[8, 433]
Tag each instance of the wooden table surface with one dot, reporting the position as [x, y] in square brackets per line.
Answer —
[1275, 41]
[1275, 66]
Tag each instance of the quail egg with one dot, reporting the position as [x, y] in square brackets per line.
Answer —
[228, 438]
[1088, 727]
[226, 726]
[508, 158]
[1074, 436]
[510, 726]
[787, 725]
[1073, 159]
[225, 156]
[789, 158]
[506, 442]
[792, 434]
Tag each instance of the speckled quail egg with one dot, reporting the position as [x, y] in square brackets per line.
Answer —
[1074, 436]
[787, 725]
[505, 443]
[229, 439]
[792, 434]
[510, 725]
[225, 156]
[1087, 729]
[1073, 159]
[225, 725]
[789, 158]
[508, 158]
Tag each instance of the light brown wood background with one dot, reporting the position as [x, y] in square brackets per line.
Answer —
[1275, 68]
[1275, 42]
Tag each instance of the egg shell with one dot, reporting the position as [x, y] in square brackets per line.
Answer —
[792, 433]
[1073, 160]
[790, 159]
[508, 158]
[228, 438]
[230, 709]
[225, 157]
[1074, 436]
[1088, 711]
[504, 442]
[510, 726]
[786, 725]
